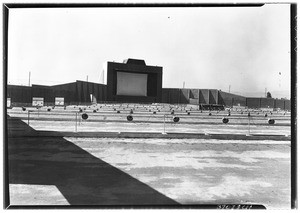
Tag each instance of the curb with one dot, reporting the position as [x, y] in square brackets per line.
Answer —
[152, 135]
[156, 121]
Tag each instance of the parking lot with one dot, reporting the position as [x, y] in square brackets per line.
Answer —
[148, 171]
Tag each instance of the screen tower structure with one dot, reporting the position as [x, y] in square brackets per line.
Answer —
[134, 81]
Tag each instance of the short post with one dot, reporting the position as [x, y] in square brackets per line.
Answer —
[79, 119]
[164, 124]
[249, 125]
[28, 117]
[75, 121]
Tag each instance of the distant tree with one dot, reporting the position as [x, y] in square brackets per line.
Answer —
[269, 95]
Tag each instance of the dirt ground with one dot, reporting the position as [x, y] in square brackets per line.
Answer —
[129, 171]
[101, 171]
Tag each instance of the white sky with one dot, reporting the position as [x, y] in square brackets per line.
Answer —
[203, 47]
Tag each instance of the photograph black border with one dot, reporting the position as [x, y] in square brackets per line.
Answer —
[293, 52]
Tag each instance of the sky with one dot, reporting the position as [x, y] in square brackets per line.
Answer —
[245, 50]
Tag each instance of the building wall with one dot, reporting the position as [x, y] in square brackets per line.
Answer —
[267, 103]
[40, 91]
[171, 95]
[67, 91]
[279, 103]
[228, 99]
[85, 89]
[213, 96]
[184, 96]
[19, 94]
[253, 102]
[174, 96]
[239, 100]
[287, 105]
[194, 93]
[203, 96]
[73, 93]
[79, 92]
[165, 95]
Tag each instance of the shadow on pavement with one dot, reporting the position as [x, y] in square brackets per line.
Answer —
[82, 178]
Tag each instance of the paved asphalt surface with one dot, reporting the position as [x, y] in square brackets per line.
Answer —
[78, 171]
[123, 171]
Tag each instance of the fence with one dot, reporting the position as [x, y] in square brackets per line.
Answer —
[159, 116]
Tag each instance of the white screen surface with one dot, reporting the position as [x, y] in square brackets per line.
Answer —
[131, 84]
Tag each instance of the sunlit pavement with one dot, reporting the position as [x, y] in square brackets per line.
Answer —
[59, 170]
[183, 171]
[195, 172]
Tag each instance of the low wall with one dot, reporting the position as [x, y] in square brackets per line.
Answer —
[203, 96]
[287, 105]
[267, 103]
[253, 102]
[228, 99]
[79, 92]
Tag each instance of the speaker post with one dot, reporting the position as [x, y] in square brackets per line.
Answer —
[28, 117]
[164, 132]
[75, 121]
[248, 125]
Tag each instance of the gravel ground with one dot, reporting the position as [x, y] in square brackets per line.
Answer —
[103, 171]
[154, 127]
[120, 171]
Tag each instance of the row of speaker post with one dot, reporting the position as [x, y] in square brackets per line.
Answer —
[154, 112]
[175, 118]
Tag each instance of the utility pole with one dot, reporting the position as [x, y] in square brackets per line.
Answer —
[229, 88]
[87, 78]
[103, 76]
[265, 92]
[183, 85]
[29, 80]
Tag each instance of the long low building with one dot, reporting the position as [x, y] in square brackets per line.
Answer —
[81, 92]
[131, 81]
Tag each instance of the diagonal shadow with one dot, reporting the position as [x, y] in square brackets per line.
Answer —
[82, 178]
